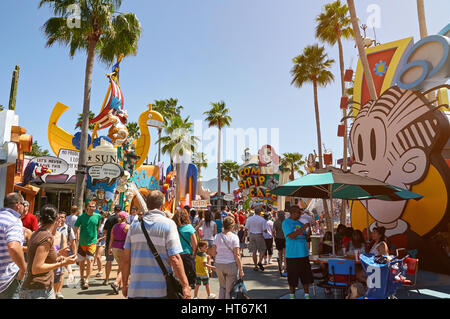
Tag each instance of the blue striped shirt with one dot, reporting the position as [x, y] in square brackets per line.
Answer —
[146, 277]
[11, 229]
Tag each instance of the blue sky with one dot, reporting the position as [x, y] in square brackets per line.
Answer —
[199, 51]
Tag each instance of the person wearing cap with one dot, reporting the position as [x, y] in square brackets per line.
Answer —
[109, 224]
[116, 243]
[29, 220]
[88, 224]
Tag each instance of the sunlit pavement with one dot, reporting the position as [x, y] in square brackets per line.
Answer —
[267, 284]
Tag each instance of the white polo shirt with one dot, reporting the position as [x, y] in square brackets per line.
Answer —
[255, 224]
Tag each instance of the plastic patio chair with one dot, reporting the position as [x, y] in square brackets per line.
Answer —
[412, 268]
[341, 275]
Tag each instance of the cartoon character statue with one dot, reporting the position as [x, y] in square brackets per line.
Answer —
[398, 139]
[33, 171]
[311, 162]
[118, 132]
[268, 157]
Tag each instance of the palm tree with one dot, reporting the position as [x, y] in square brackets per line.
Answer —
[333, 25]
[292, 162]
[312, 66]
[80, 121]
[133, 130]
[229, 172]
[36, 150]
[177, 142]
[167, 108]
[218, 116]
[199, 160]
[103, 31]
[361, 50]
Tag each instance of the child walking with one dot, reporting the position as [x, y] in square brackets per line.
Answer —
[202, 263]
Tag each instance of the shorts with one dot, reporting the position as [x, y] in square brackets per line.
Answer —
[109, 257]
[299, 268]
[280, 243]
[118, 254]
[257, 243]
[202, 280]
[242, 245]
[210, 242]
[86, 252]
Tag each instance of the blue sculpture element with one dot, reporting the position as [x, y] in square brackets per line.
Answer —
[98, 139]
[143, 181]
[77, 140]
[116, 104]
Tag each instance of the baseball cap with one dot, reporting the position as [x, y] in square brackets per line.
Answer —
[123, 214]
[117, 208]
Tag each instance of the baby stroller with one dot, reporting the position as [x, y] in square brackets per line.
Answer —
[383, 275]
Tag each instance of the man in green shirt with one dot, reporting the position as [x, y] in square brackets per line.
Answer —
[88, 224]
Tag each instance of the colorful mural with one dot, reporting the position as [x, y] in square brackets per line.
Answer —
[400, 139]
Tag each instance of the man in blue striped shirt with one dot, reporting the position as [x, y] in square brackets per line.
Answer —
[147, 279]
[12, 261]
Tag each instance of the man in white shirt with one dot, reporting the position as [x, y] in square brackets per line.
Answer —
[256, 226]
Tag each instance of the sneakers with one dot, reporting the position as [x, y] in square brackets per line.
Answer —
[260, 265]
[284, 274]
[115, 287]
[255, 269]
[307, 296]
[291, 296]
[195, 298]
[212, 296]
[59, 295]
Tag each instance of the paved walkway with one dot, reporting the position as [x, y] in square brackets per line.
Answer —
[267, 284]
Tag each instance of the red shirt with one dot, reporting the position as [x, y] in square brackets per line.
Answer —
[30, 222]
[241, 219]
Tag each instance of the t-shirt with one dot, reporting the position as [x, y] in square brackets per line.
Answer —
[255, 224]
[40, 237]
[269, 227]
[187, 231]
[219, 225]
[225, 254]
[88, 228]
[110, 222]
[241, 234]
[223, 214]
[241, 218]
[146, 277]
[30, 222]
[64, 230]
[277, 225]
[200, 269]
[71, 220]
[295, 248]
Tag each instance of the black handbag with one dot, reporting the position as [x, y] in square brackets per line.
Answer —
[189, 264]
[174, 288]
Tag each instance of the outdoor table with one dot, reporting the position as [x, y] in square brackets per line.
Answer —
[322, 259]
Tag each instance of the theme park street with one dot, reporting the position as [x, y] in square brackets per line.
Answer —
[264, 285]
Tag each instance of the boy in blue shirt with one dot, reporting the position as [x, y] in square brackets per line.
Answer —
[297, 252]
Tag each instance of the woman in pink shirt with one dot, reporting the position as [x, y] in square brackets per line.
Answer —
[117, 241]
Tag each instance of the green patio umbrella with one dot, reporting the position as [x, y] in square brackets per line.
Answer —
[331, 182]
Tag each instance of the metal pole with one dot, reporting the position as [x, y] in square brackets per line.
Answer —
[367, 220]
[330, 189]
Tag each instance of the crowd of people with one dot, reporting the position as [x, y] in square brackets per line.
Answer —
[37, 250]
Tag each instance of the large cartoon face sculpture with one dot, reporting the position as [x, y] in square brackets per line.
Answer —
[268, 157]
[392, 139]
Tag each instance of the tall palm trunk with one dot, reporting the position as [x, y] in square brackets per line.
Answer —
[319, 142]
[319, 136]
[81, 172]
[422, 19]
[345, 150]
[219, 188]
[229, 186]
[362, 52]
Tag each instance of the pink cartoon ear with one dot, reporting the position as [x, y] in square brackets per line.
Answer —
[410, 168]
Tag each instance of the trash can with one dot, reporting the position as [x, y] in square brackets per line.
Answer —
[315, 243]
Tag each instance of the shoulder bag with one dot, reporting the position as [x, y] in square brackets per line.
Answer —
[174, 288]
